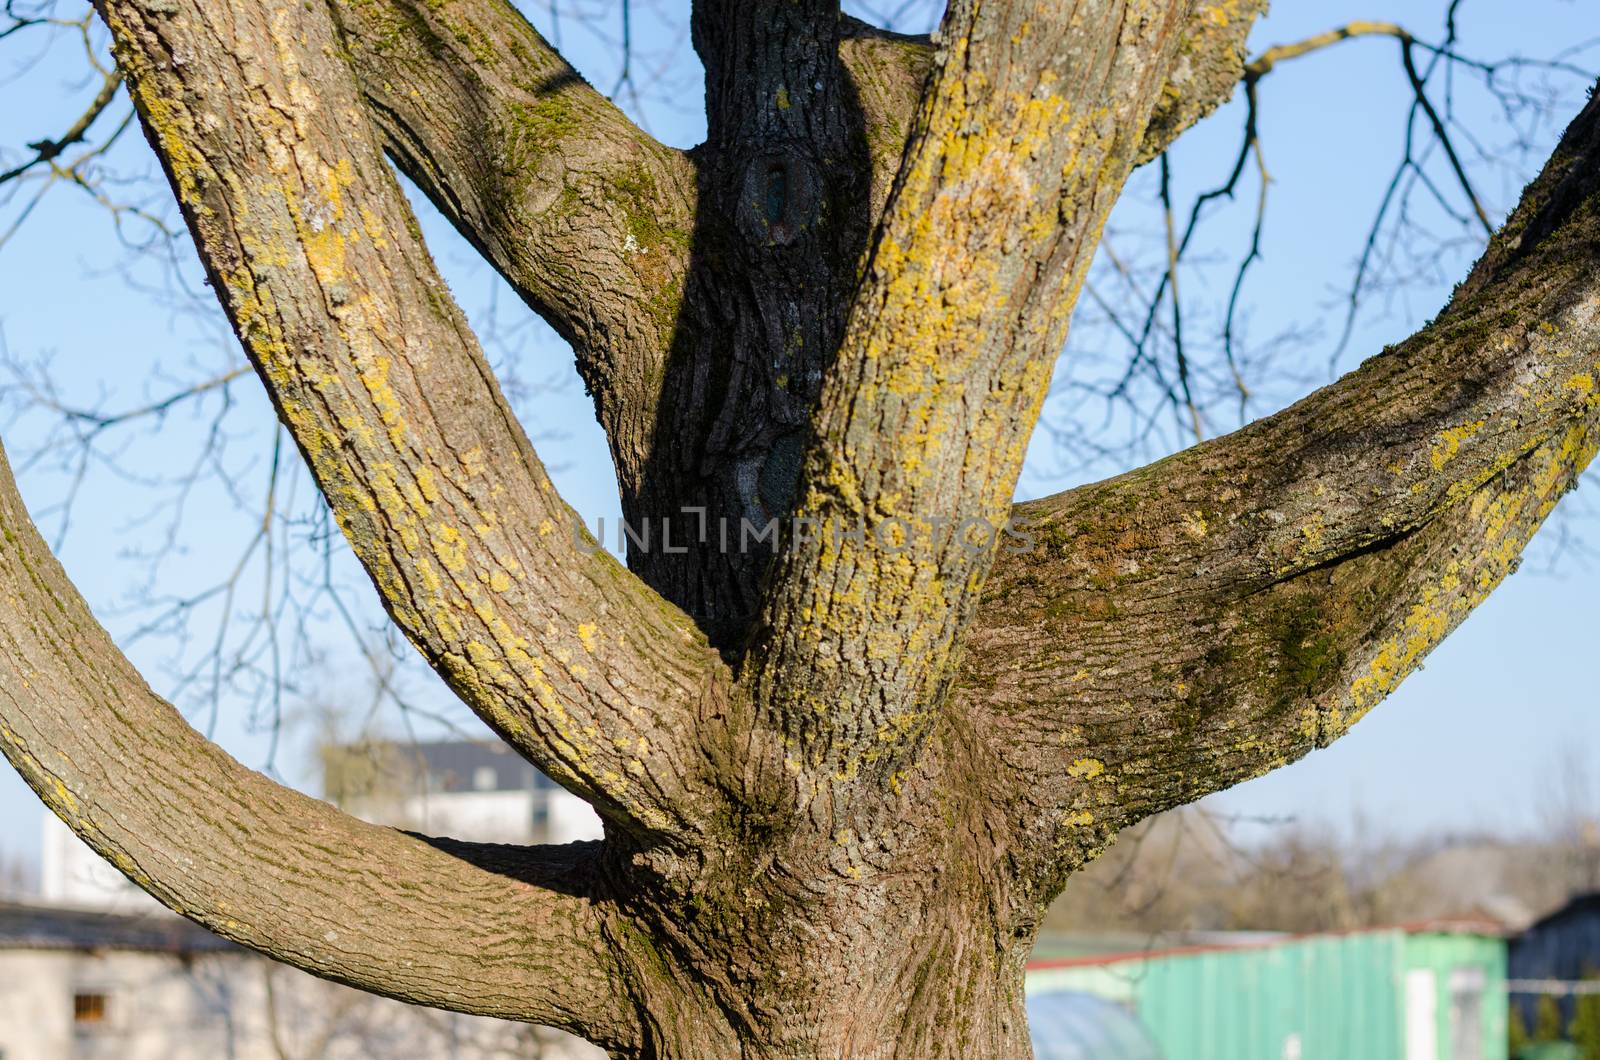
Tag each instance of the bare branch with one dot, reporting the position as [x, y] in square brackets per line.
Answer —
[1408, 56]
[1146, 367]
[46, 151]
[1263, 64]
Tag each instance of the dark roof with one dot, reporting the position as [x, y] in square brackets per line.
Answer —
[39, 927]
[459, 765]
[1584, 906]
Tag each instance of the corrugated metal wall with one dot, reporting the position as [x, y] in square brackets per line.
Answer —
[1451, 959]
[1335, 997]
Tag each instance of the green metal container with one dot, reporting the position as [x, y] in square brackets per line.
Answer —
[1376, 995]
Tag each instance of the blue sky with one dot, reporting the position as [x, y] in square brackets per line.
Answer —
[1464, 744]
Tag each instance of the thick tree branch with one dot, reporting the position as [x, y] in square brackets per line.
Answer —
[1029, 128]
[888, 72]
[1209, 66]
[1210, 63]
[489, 930]
[1210, 617]
[786, 192]
[585, 215]
[317, 260]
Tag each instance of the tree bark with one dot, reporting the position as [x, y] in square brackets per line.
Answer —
[704, 359]
[1223, 612]
[841, 785]
[317, 261]
[495, 931]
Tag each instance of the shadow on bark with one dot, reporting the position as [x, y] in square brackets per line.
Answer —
[783, 225]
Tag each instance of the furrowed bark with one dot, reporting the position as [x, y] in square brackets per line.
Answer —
[1218, 614]
[1209, 66]
[785, 187]
[317, 260]
[705, 391]
[488, 930]
[1031, 124]
[585, 215]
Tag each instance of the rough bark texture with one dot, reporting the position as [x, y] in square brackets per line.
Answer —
[317, 260]
[1210, 64]
[588, 218]
[840, 786]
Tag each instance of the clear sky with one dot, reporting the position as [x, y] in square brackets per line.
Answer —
[1467, 743]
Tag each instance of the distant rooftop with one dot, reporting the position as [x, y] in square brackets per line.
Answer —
[1069, 950]
[477, 765]
[38, 927]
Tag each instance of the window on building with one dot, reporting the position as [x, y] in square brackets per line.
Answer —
[88, 1008]
[485, 779]
[1466, 1013]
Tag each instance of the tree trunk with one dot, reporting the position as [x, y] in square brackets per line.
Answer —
[842, 966]
[842, 784]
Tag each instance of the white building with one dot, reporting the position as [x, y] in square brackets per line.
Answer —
[480, 792]
[101, 970]
[81, 985]
[73, 876]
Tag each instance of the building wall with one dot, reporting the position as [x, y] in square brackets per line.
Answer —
[571, 819]
[1331, 997]
[546, 815]
[475, 816]
[155, 1009]
[1564, 946]
[1461, 966]
[233, 1006]
[73, 875]
[35, 1021]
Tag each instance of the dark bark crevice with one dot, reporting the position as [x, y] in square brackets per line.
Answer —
[784, 187]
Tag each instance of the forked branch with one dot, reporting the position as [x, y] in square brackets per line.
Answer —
[585, 215]
[925, 415]
[1210, 64]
